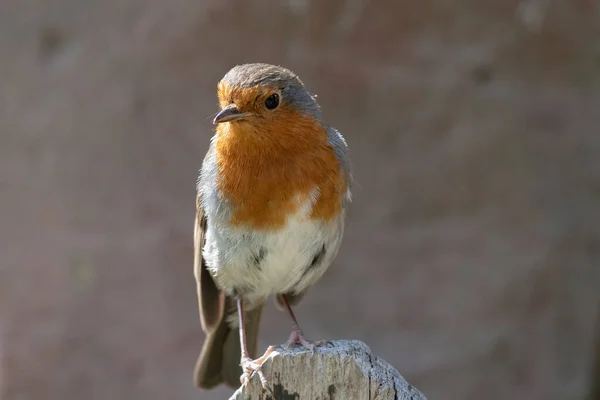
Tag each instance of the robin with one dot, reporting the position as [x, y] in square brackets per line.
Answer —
[270, 209]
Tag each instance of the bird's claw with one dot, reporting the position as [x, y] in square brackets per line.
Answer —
[250, 366]
[297, 338]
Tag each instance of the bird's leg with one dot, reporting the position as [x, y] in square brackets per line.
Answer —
[248, 365]
[297, 336]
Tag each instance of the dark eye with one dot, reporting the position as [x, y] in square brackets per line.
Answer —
[272, 101]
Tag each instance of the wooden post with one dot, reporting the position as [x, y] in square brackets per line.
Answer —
[344, 370]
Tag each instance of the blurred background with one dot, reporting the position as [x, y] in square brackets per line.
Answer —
[471, 260]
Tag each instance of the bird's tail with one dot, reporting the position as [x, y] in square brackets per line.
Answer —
[219, 360]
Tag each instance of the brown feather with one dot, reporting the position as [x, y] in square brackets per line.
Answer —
[219, 360]
[207, 373]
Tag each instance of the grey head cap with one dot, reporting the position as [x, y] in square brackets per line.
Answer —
[292, 89]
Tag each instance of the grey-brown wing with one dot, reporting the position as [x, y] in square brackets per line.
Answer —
[211, 300]
[340, 149]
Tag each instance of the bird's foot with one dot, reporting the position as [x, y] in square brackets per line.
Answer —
[250, 366]
[298, 338]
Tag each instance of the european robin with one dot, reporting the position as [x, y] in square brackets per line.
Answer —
[270, 209]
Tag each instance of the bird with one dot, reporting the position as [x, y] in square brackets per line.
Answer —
[271, 199]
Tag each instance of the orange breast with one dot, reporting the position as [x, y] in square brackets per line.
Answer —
[267, 170]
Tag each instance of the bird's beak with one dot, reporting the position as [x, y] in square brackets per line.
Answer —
[229, 113]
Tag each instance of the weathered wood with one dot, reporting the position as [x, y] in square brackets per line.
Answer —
[345, 370]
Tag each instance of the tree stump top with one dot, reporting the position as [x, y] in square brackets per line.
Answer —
[345, 370]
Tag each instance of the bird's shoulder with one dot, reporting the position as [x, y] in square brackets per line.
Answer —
[340, 148]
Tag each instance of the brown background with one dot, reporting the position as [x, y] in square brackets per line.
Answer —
[471, 259]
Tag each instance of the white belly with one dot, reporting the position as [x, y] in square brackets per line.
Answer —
[255, 265]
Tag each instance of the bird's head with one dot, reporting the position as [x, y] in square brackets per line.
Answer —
[264, 99]
[271, 144]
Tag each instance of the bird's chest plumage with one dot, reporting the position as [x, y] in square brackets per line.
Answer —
[273, 226]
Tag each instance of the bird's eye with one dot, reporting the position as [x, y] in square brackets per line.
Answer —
[272, 101]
